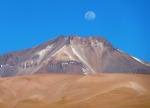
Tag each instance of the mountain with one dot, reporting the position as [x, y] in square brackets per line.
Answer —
[72, 54]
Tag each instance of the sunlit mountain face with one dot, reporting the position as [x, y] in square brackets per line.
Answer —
[72, 54]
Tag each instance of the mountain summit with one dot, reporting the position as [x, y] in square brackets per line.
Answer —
[72, 54]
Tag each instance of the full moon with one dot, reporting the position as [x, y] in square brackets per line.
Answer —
[90, 15]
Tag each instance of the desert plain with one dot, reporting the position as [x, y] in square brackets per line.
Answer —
[76, 91]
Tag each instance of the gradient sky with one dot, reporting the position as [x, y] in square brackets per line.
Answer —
[27, 23]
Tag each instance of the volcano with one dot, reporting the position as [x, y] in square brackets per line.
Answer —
[71, 55]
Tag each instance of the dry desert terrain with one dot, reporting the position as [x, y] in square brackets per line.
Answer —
[76, 91]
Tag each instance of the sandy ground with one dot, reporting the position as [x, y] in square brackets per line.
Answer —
[76, 91]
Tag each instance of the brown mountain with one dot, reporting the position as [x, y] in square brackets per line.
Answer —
[72, 54]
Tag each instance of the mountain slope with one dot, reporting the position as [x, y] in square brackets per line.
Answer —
[71, 54]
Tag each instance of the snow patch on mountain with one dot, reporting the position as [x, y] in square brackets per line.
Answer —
[85, 71]
[120, 50]
[140, 61]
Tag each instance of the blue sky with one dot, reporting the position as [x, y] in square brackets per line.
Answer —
[27, 23]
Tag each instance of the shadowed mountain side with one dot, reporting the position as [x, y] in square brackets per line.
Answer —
[76, 91]
[71, 54]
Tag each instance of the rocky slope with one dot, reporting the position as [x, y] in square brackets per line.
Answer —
[72, 54]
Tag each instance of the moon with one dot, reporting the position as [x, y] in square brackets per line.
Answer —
[90, 15]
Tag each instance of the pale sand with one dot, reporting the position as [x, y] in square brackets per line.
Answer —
[76, 91]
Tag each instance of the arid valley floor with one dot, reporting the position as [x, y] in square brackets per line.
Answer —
[76, 91]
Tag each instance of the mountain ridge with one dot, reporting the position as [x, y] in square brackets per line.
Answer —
[71, 54]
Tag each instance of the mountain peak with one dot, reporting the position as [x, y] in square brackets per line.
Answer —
[70, 54]
[92, 40]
